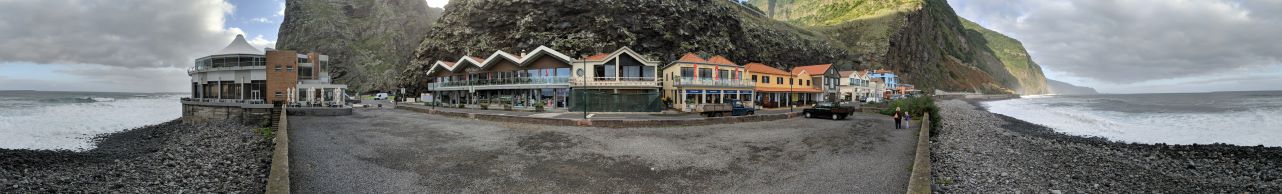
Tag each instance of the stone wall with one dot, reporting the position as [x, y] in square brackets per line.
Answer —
[249, 116]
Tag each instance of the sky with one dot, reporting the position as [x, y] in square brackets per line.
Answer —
[1144, 46]
[1115, 46]
[124, 45]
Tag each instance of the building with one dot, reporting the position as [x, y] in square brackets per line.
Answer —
[693, 80]
[822, 77]
[854, 85]
[502, 79]
[878, 90]
[244, 83]
[778, 88]
[621, 81]
[889, 78]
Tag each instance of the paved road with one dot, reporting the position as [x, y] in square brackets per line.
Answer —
[595, 115]
[398, 151]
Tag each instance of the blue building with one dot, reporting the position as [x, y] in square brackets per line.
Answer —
[886, 75]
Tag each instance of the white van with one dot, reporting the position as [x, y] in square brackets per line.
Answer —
[380, 96]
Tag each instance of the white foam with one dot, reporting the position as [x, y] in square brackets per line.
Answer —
[1261, 126]
[72, 125]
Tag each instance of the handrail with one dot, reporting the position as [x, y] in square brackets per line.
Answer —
[504, 81]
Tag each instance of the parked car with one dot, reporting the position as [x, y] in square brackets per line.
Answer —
[734, 108]
[380, 96]
[828, 110]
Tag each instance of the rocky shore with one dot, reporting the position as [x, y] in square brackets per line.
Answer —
[171, 157]
[975, 151]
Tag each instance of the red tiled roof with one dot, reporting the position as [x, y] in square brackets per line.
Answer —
[597, 57]
[693, 58]
[478, 59]
[763, 68]
[797, 90]
[720, 60]
[883, 71]
[448, 64]
[846, 73]
[812, 69]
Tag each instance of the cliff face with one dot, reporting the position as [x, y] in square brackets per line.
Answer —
[368, 41]
[922, 39]
[662, 28]
[1058, 87]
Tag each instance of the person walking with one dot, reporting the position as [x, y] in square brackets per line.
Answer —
[898, 118]
[908, 121]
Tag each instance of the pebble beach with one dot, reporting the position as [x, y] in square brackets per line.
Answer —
[975, 151]
[170, 157]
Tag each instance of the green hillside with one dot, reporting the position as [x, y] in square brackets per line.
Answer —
[922, 39]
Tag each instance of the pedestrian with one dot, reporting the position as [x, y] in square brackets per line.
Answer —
[898, 118]
[908, 121]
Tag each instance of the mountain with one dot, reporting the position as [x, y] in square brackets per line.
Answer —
[660, 28]
[924, 40]
[1058, 87]
[369, 41]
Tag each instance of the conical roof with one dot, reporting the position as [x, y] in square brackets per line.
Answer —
[239, 46]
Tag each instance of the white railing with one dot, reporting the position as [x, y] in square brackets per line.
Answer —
[504, 81]
[715, 82]
[616, 81]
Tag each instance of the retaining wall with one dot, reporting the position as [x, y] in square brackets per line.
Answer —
[920, 180]
[278, 178]
[194, 113]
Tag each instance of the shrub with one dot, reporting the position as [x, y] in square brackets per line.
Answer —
[915, 106]
[538, 106]
[485, 106]
[266, 132]
[461, 106]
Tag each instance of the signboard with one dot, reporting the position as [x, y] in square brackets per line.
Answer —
[746, 92]
[714, 91]
[732, 91]
[694, 91]
[426, 97]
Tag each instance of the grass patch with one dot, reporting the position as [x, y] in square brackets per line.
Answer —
[267, 133]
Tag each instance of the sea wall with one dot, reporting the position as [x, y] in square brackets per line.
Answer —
[193, 113]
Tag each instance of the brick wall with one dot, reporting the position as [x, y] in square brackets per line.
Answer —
[282, 74]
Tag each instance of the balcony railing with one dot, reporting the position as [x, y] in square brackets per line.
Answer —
[714, 82]
[620, 81]
[504, 81]
[217, 100]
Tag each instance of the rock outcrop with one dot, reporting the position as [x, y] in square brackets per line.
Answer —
[368, 41]
[924, 40]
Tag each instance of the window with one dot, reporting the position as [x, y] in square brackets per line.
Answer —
[278, 93]
[289, 68]
[779, 80]
[754, 78]
[723, 74]
[563, 72]
[687, 72]
[705, 73]
[277, 67]
[765, 79]
[790, 81]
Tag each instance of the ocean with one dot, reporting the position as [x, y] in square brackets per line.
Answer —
[1239, 118]
[69, 120]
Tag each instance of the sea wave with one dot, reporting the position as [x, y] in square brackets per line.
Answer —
[1248, 127]
[64, 123]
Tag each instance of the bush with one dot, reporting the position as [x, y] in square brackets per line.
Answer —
[266, 132]
[915, 106]
[538, 106]
[485, 106]
[461, 106]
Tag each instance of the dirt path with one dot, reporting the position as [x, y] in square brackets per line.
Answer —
[386, 150]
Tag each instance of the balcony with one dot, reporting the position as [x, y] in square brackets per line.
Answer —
[504, 83]
[736, 83]
[193, 70]
[616, 82]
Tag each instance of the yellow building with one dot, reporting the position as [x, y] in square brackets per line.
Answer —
[694, 80]
[778, 88]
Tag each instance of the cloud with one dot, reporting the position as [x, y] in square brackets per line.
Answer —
[261, 20]
[437, 3]
[1132, 41]
[281, 12]
[261, 43]
[122, 34]
[92, 77]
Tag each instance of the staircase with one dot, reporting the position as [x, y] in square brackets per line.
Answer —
[275, 118]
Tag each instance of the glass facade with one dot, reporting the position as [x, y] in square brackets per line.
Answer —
[224, 61]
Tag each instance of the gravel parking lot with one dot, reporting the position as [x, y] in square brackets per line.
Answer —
[389, 150]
